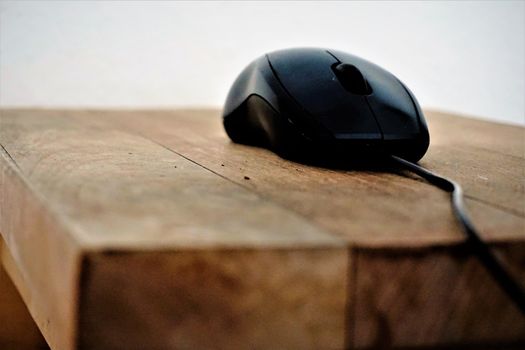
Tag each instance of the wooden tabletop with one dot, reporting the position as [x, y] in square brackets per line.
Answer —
[150, 229]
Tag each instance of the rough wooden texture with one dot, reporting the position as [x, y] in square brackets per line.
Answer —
[75, 189]
[222, 299]
[435, 296]
[486, 158]
[150, 229]
[18, 331]
[42, 260]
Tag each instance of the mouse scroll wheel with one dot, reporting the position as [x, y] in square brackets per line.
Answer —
[352, 79]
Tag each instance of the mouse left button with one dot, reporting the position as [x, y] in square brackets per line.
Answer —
[239, 91]
[307, 76]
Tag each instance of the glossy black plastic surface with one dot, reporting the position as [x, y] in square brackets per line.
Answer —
[323, 103]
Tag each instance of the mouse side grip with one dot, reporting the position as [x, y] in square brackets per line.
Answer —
[423, 140]
[245, 127]
[240, 89]
[258, 111]
[240, 123]
[249, 115]
[255, 122]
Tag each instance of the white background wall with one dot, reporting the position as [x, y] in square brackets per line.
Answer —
[467, 57]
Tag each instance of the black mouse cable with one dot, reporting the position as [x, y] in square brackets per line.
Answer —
[491, 263]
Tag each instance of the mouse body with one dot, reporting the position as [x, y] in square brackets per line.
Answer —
[318, 103]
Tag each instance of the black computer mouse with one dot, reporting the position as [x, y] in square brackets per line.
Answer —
[318, 103]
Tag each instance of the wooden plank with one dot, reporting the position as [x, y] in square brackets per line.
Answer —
[487, 158]
[221, 299]
[79, 192]
[113, 186]
[489, 162]
[41, 260]
[18, 331]
[437, 296]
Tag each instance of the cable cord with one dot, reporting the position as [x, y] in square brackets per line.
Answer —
[491, 263]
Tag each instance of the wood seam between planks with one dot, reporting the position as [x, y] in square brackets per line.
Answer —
[10, 157]
[260, 195]
[415, 178]
[465, 195]
[71, 227]
[493, 205]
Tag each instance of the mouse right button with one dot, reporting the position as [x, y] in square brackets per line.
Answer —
[392, 105]
[394, 109]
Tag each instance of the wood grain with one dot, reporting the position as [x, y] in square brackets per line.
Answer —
[73, 187]
[384, 211]
[39, 255]
[117, 190]
[154, 223]
[439, 296]
[490, 170]
[225, 299]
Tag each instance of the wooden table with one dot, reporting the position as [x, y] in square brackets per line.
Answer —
[150, 230]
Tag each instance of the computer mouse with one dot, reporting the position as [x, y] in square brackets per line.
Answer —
[321, 103]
